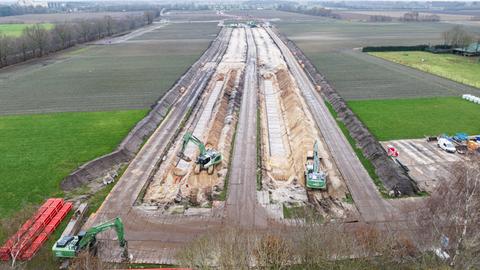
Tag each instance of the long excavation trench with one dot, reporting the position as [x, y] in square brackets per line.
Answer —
[213, 122]
[288, 134]
[287, 130]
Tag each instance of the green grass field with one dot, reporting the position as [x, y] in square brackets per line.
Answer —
[415, 118]
[454, 67]
[38, 151]
[16, 29]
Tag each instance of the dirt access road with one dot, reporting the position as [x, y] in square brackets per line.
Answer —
[133, 34]
[242, 206]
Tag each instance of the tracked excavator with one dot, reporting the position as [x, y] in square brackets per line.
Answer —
[70, 246]
[206, 160]
[315, 177]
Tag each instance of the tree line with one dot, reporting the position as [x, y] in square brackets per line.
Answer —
[314, 11]
[459, 36]
[37, 40]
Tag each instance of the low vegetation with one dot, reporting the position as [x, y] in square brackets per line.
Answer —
[38, 151]
[461, 69]
[367, 164]
[394, 119]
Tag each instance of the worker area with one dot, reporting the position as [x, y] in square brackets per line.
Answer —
[431, 160]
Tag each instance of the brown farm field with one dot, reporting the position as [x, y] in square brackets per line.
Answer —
[129, 75]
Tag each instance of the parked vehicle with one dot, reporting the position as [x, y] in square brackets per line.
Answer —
[446, 145]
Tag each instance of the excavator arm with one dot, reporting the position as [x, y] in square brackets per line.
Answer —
[91, 233]
[189, 137]
[316, 159]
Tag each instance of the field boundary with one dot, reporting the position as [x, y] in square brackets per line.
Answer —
[393, 177]
[135, 139]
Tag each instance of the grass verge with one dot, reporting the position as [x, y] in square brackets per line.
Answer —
[457, 68]
[365, 162]
[393, 119]
[38, 151]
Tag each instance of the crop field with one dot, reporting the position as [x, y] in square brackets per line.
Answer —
[455, 67]
[324, 35]
[16, 29]
[38, 151]
[357, 75]
[276, 15]
[395, 119]
[330, 43]
[62, 17]
[130, 75]
[399, 14]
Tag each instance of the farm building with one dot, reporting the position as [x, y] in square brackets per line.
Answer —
[471, 50]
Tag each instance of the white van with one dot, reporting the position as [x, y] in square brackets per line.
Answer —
[446, 145]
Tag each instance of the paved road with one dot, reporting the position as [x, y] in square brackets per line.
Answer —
[370, 204]
[242, 206]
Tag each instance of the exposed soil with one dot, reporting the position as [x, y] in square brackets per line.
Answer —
[213, 122]
[284, 169]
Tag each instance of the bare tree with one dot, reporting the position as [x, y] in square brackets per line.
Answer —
[39, 38]
[6, 44]
[451, 216]
[65, 34]
[22, 46]
[85, 29]
[457, 36]
[99, 28]
[109, 24]
[149, 16]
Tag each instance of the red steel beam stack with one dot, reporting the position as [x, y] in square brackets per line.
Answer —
[49, 229]
[39, 227]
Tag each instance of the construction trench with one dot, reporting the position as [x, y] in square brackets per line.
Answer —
[288, 134]
[177, 186]
[287, 131]
[244, 79]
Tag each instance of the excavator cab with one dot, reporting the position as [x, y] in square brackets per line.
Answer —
[69, 246]
[206, 160]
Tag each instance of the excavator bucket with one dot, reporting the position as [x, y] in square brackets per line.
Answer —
[184, 157]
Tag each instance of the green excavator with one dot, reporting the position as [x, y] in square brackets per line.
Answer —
[70, 246]
[206, 160]
[315, 178]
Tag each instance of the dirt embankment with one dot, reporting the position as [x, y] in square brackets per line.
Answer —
[388, 171]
